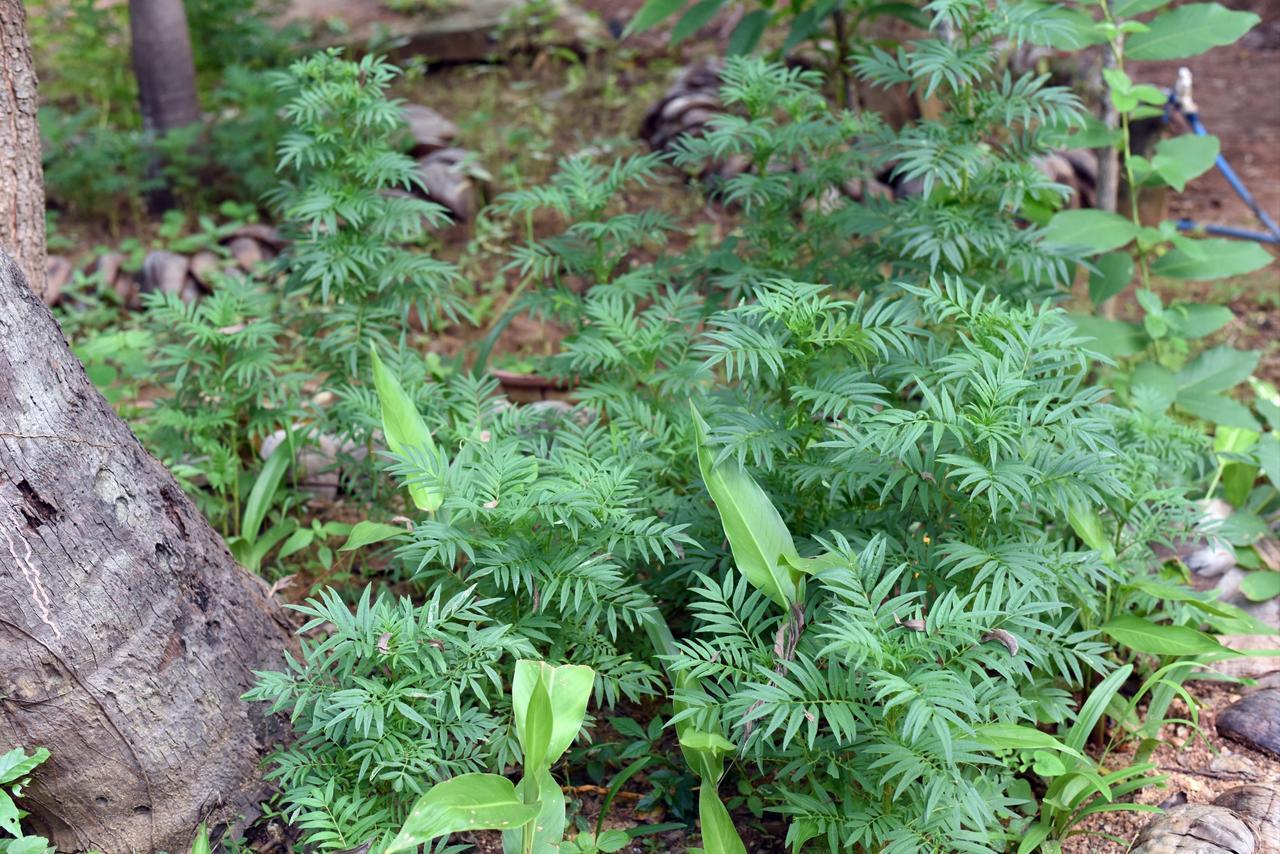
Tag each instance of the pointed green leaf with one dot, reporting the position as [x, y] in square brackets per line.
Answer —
[467, 802]
[1019, 737]
[1188, 31]
[1183, 158]
[1097, 231]
[568, 688]
[367, 533]
[16, 764]
[546, 832]
[1214, 258]
[1260, 586]
[652, 13]
[404, 429]
[1141, 635]
[719, 836]
[1114, 273]
[746, 35]
[761, 544]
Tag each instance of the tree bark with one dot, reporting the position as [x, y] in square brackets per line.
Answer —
[166, 73]
[127, 632]
[21, 179]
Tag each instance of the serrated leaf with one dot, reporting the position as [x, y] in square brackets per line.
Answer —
[466, 802]
[1097, 231]
[1214, 258]
[1188, 31]
[1141, 635]
[1192, 320]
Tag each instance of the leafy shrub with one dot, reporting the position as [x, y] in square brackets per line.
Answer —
[352, 222]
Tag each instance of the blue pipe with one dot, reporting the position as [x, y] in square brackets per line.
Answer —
[1236, 184]
[1228, 231]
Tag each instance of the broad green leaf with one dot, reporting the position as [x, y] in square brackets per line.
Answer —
[705, 752]
[535, 729]
[1217, 409]
[1237, 477]
[9, 815]
[746, 35]
[1019, 737]
[1172, 592]
[404, 429]
[1269, 457]
[1182, 158]
[1193, 320]
[1129, 8]
[568, 689]
[652, 13]
[1159, 382]
[719, 836]
[200, 845]
[297, 541]
[1047, 764]
[1216, 370]
[612, 840]
[695, 19]
[814, 565]
[1144, 636]
[546, 832]
[1215, 258]
[760, 541]
[30, 845]
[1188, 31]
[367, 533]
[1097, 231]
[16, 764]
[1109, 337]
[1243, 528]
[1260, 586]
[1114, 273]
[466, 802]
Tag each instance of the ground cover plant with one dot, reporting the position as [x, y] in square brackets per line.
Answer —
[850, 529]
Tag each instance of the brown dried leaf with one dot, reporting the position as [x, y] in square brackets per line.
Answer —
[1009, 641]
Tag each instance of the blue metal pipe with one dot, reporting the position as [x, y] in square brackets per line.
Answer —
[1228, 231]
[1233, 179]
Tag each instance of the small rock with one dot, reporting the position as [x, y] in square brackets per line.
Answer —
[1246, 666]
[106, 267]
[1233, 764]
[203, 265]
[163, 271]
[126, 288]
[247, 252]
[1254, 721]
[191, 291]
[1196, 829]
[57, 273]
[429, 130]
[447, 183]
[1209, 560]
[1228, 590]
[317, 463]
[265, 234]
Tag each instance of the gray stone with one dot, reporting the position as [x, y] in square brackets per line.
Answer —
[1254, 721]
[264, 234]
[58, 272]
[163, 271]
[447, 182]
[203, 265]
[247, 252]
[429, 130]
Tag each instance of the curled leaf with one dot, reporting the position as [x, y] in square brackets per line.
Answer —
[1009, 641]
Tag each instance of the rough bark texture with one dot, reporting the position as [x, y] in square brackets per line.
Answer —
[163, 64]
[21, 179]
[127, 632]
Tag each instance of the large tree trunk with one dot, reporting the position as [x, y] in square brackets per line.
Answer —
[166, 72]
[127, 632]
[21, 180]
